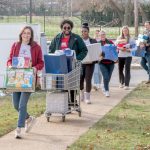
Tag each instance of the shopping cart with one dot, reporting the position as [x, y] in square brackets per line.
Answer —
[59, 89]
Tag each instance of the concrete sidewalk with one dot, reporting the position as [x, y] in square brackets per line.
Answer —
[57, 135]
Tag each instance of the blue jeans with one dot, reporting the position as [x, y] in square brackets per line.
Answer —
[97, 76]
[20, 100]
[106, 70]
[145, 63]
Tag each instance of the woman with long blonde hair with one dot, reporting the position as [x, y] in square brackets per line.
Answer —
[124, 56]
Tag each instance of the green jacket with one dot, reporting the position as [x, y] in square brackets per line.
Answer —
[75, 43]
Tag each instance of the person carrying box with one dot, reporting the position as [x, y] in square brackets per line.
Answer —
[26, 47]
[145, 61]
[125, 57]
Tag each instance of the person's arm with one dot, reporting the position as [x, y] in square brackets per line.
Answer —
[40, 62]
[117, 41]
[148, 41]
[133, 46]
[82, 49]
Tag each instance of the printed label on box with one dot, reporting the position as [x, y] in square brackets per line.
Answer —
[21, 62]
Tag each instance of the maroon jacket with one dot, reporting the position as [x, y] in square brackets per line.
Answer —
[36, 54]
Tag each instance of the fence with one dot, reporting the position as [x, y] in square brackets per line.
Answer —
[44, 13]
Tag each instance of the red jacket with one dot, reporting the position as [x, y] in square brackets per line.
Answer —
[36, 54]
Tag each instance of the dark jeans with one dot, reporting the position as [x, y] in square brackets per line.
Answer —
[87, 73]
[20, 100]
[106, 70]
[72, 96]
[124, 62]
[145, 63]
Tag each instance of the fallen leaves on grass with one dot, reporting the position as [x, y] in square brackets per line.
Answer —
[109, 130]
[125, 106]
[142, 147]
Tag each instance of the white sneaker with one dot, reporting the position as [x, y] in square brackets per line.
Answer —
[18, 133]
[121, 86]
[29, 123]
[88, 101]
[126, 88]
[87, 98]
[107, 94]
[98, 86]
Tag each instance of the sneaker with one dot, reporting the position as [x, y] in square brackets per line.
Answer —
[29, 123]
[103, 90]
[121, 86]
[87, 98]
[18, 133]
[107, 94]
[126, 88]
[87, 101]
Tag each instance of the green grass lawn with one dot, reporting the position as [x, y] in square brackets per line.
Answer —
[52, 25]
[126, 127]
[8, 116]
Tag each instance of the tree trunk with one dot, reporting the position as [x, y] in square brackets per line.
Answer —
[119, 11]
[136, 16]
[144, 15]
[128, 12]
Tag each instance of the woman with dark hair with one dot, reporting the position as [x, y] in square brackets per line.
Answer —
[26, 47]
[87, 69]
[67, 39]
[125, 57]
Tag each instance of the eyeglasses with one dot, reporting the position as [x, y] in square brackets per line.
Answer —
[67, 28]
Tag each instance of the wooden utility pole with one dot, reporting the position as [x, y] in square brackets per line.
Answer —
[30, 11]
[71, 9]
[136, 17]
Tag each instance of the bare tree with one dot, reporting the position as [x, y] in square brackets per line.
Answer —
[136, 17]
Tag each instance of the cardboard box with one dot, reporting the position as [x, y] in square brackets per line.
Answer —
[94, 52]
[139, 52]
[110, 52]
[20, 80]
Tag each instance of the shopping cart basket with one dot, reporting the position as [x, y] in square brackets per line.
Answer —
[59, 88]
